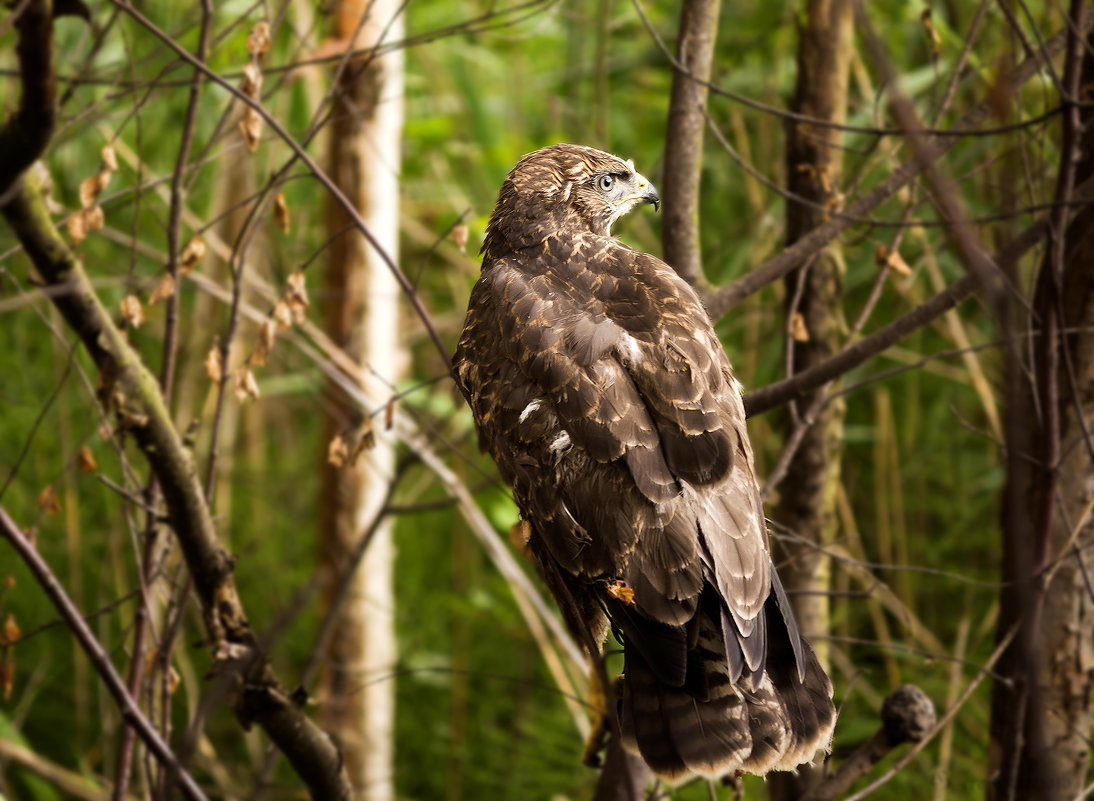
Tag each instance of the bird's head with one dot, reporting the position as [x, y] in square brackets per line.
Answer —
[565, 188]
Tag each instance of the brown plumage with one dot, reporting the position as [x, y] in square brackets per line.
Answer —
[599, 387]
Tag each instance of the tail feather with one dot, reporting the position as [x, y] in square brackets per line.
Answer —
[715, 723]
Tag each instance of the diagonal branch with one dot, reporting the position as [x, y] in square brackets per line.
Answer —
[130, 709]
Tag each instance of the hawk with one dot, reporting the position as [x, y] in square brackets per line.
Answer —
[598, 385]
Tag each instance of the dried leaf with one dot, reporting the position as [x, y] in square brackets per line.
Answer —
[94, 217]
[77, 227]
[337, 451]
[283, 315]
[389, 413]
[894, 261]
[110, 159]
[251, 127]
[798, 329]
[459, 237]
[214, 365]
[297, 297]
[281, 213]
[12, 633]
[7, 675]
[132, 311]
[258, 42]
[48, 501]
[91, 188]
[264, 344]
[246, 386]
[85, 461]
[365, 442]
[164, 289]
[251, 82]
[621, 592]
[173, 680]
[192, 254]
[932, 32]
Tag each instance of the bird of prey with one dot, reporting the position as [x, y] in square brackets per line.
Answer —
[598, 385]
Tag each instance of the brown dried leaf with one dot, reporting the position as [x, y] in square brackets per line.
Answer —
[281, 213]
[173, 680]
[389, 413]
[251, 127]
[894, 261]
[12, 631]
[368, 437]
[932, 32]
[91, 188]
[77, 227]
[297, 297]
[164, 289]
[7, 675]
[283, 315]
[85, 461]
[214, 365]
[258, 42]
[459, 237]
[264, 344]
[192, 254]
[94, 217]
[251, 82]
[366, 440]
[48, 501]
[110, 159]
[621, 592]
[337, 451]
[798, 329]
[246, 386]
[132, 311]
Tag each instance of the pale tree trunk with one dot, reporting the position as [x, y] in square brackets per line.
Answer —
[357, 692]
[1041, 710]
[816, 329]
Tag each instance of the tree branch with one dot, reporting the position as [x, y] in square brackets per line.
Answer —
[130, 709]
[721, 301]
[24, 137]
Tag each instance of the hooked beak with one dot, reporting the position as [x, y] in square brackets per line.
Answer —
[647, 193]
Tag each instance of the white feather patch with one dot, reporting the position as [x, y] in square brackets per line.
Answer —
[534, 406]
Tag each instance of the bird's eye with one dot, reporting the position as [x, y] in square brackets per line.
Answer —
[604, 183]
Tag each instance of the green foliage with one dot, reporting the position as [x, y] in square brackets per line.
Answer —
[479, 714]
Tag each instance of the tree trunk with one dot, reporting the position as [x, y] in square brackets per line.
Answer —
[357, 691]
[1041, 713]
[816, 329]
[684, 138]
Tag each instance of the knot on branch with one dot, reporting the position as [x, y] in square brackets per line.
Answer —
[907, 715]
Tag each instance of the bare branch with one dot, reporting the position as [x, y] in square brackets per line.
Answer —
[129, 707]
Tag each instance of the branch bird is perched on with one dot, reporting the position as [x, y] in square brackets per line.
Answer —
[599, 387]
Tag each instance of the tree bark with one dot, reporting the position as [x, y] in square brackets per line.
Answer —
[684, 137]
[815, 331]
[357, 691]
[1041, 712]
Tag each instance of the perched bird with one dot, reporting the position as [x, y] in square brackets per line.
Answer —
[598, 385]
